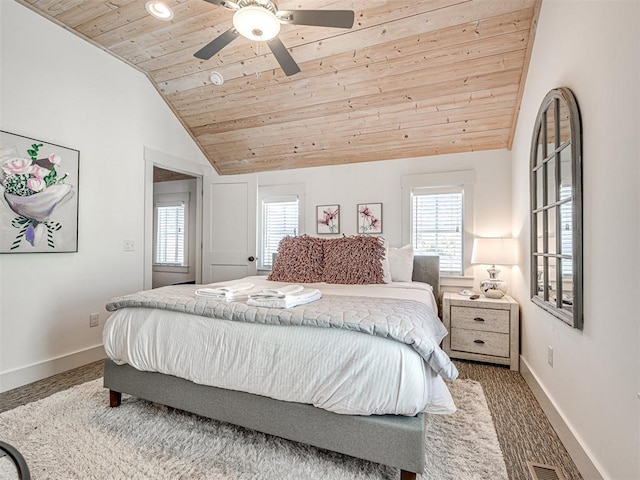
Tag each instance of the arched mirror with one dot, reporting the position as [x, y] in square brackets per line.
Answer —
[556, 208]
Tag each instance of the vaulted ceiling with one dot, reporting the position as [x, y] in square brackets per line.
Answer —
[412, 78]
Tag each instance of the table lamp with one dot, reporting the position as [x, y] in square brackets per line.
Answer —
[494, 251]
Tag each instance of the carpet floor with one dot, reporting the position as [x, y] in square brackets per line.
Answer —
[523, 431]
[75, 434]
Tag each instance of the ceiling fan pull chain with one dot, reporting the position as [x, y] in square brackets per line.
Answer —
[259, 53]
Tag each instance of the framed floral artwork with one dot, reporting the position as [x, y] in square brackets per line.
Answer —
[369, 218]
[39, 196]
[328, 219]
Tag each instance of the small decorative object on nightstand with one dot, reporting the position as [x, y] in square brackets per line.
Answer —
[486, 329]
[492, 251]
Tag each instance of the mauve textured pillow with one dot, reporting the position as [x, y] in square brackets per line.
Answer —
[353, 260]
[299, 260]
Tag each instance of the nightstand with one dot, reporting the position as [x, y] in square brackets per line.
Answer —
[486, 329]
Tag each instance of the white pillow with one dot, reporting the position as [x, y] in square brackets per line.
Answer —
[386, 270]
[401, 263]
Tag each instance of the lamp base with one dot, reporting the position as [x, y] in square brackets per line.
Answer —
[493, 288]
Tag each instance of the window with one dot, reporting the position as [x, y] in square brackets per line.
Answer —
[171, 231]
[280, 218]
[436, 218]
[437, 210]
[281, 212]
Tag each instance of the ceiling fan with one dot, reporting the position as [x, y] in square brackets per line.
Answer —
[260, 20]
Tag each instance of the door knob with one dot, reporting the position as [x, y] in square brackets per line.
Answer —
[251, 259]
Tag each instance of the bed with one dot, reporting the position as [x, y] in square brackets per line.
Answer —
[388, 429]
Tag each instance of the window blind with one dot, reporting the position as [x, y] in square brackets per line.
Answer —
[437, 226]
[280, 218]
[170, 234]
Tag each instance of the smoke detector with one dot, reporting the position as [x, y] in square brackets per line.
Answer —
[216, 78]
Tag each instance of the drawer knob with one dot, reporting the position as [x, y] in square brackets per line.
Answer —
[478, 319]
[479, 342]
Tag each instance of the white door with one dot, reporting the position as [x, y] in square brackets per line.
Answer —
[229, 230]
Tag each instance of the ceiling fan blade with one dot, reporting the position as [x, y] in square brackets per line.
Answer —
[213, 47]
[286, 61]
[224, 3]
[318, 18]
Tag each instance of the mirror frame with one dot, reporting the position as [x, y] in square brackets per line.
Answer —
[550, 156]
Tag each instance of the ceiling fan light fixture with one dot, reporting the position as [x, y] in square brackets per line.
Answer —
[159, 10]
[256, 23]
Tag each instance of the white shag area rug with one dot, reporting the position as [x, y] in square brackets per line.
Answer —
[74, 434]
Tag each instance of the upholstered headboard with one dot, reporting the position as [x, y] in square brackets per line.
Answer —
[426, 268]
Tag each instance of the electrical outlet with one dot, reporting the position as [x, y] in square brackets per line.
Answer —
[94, 319]
[550, 355]
[129, 245]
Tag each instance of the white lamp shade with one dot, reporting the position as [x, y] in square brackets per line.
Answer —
[494, 251]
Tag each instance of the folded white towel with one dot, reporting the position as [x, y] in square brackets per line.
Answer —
[282, 292]
[306, 295]
[233, 288]
[228, 293]
[214, 294]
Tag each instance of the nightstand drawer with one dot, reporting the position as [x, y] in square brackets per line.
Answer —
[486, 319]
[476, 341]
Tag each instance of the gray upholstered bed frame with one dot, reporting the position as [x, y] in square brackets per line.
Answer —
[393, 440]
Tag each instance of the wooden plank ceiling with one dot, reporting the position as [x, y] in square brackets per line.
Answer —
[412, 78]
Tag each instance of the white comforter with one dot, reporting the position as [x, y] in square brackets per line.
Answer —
[338, 370]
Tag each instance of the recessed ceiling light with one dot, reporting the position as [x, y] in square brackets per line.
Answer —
[159, 10]
[216, 78]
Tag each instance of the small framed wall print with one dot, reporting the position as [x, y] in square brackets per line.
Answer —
[369, 218]
[328, 219]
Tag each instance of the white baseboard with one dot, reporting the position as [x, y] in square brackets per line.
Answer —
[574, 447]
[37, 371]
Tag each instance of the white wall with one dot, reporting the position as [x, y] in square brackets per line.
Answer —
[592, 47]
[348, 185]
[59, 88]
